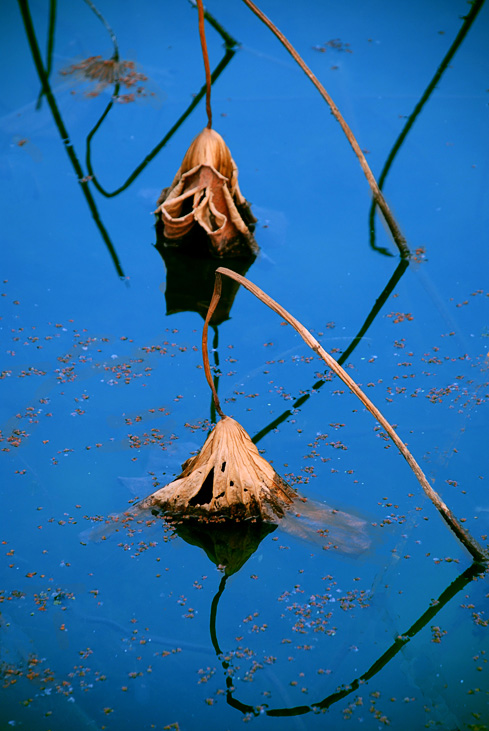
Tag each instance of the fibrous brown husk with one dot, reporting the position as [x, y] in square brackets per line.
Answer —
[205, 195]
[228, 478]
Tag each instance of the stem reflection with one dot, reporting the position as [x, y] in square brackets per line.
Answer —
[468, 20]
[230, 46]
[379, 303]
[473, 572]
[82, 180]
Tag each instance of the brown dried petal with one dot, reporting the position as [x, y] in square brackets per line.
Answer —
[205, 192]
[228, 477]
[209, 148]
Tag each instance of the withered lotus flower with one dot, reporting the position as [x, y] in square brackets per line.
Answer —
[205, 195]
[228, 478]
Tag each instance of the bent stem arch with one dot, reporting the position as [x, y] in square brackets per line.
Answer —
[476, 551]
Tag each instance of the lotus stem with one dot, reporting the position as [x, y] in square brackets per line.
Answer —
[208, 80]
[376, 192]
[476, 551]
[216, 295]
[229, 41]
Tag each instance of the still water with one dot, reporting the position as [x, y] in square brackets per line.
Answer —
[133, 625]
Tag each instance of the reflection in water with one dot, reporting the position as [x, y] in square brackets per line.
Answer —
[228, 543]
[379, 303]
[82, 179]
[50, 47]
[190, 280]
[473, 572]
[105, 72]
[468, 20]
[230, 44]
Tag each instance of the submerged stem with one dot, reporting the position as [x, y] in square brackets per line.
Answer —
[377, 193]
[113, 36]
[50, 49]
[470, 543]
[207, 67]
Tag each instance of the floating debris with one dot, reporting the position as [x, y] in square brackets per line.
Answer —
[107, 72]
[335, 44]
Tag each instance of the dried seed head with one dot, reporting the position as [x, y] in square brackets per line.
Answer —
[209, 148]
[205, 197]
[227, 478]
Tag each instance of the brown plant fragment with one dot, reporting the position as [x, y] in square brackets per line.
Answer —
[105, 72]
[228, 478]
[205, 195]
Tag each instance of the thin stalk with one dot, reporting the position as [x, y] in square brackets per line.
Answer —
[151, 155]
[216, 295]
[229, 41]
[376, 192]
[215, 380]
[208, 80]
[476, 551]
[379, 303]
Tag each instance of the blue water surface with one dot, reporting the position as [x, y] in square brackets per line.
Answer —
[130, 625]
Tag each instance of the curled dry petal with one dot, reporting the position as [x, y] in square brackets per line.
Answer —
[205, 193]
[228, 478]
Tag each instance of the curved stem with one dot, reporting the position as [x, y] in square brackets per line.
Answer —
[208, 81]
[216, 295]
[109, 30]
[377, 193]
[229, 41]
[151, 155]
[379, 303]
[466, 539]
[215, 345]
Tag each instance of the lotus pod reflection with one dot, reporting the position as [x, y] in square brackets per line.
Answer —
[228, 478]
[190, 282]
[227, 543]
[205, 195]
